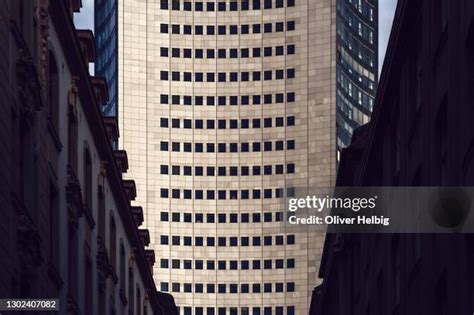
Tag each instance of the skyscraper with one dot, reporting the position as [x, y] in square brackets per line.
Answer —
[357, 65]
[105, 19]
[224, 108]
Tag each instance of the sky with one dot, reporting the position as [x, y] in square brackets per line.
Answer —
[386, 12]
[85, 20]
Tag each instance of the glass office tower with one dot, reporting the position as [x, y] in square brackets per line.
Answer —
[105, 31]
[357, 65]
[224, 109]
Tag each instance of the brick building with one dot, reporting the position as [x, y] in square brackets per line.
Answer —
[420, 134]
[68, 228]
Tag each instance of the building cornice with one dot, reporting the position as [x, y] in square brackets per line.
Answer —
[69, 40]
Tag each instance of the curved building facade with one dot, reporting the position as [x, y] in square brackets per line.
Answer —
[357, 65]
[107, 55]
[225, 108]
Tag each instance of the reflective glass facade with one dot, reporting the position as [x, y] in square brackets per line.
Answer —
[357, 65]
[106, 45]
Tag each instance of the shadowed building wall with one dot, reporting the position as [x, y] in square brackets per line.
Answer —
[421, 134]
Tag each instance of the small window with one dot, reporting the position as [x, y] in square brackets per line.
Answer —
[175, 28]
[210, 30]
[256, 4]
[221, 30]
[164, 99]
[256, 241]
[164, 75]
[256, 28]
[233, 30]
[290, 25]
[290, 73]
[164, 28]
[290, 49]
[267, 51]
[279, 27]
[290, 120]
[198, 29]
[279, 122]
[175, 5]
[267, 28]
[210, 53]
[279, 51]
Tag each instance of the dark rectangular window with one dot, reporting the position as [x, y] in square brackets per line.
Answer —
[267, 27]
[256, 4]
[290, 25]
[221, 29]
[267, 51]
[256, 28]
[279, 51]
[290, 49]
[233, 30]
[175, 5]
[198, 29]
[175, 29]
[210, 30]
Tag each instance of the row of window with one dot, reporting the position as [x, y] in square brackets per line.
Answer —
[228, 171]
[224, 123]
[232, 194]
[222, 6]
[245, 76]
[266, 310]
[227, 264]
[222, 147]
[227, 241]
[245, 217]
[187, 29]
[224, 100]
[227, 53]
[229, 288]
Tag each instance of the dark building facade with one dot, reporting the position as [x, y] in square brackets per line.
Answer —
[68, 230]
[106, 63]
[420, 134]
[357, 65]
